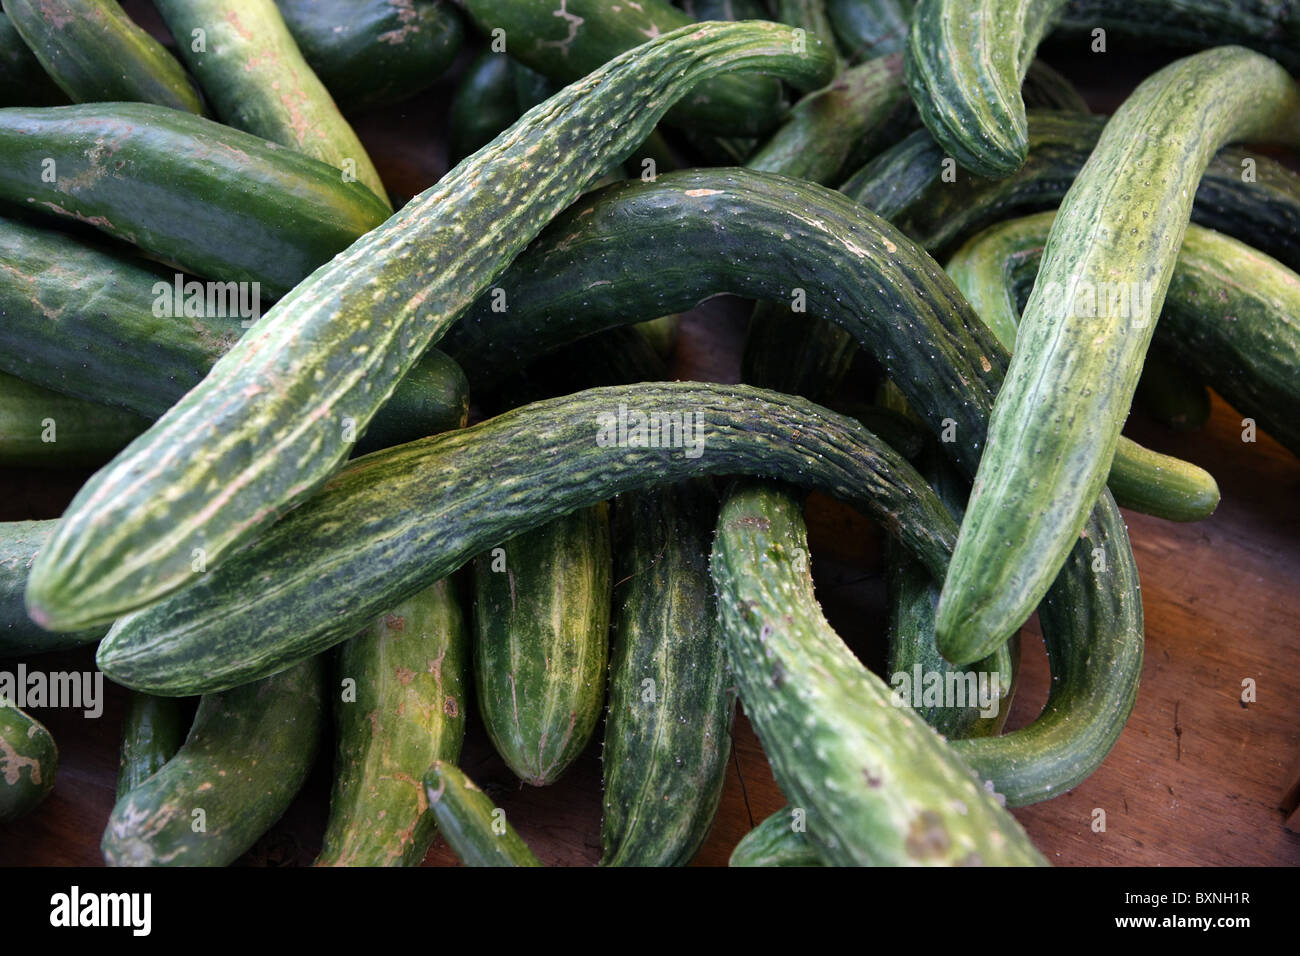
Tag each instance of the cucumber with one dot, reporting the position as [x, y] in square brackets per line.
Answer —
[398, 520]
[1172, 396]
[877, 785]
[108, 345]
[23, 81]
[668, 733]
[374, 52]
[215, 201]
[19, 634]
[152, 731]
[400, 708]
[531, 87]
[1057, 419]
[582, 35]
[347, 347]
[1046, 89]
[478, 832]
[775, 842]
[870, 28]
[725, 9]
[95, 53]
[253, 73]
[807, 15]
[29, 760]
[246, 756]
[484, 104]
[43, 429]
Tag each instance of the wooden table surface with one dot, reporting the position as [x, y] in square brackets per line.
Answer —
[1196, 778]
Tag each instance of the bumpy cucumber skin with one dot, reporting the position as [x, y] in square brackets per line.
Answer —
[29, 760]
[478, 834]
[395, 521]
[1054, 428]
[878, 785]
[332, 351]
[375, 52]
[19, 634]
[44, 429]
[775, 842]
[484, 104]
[23, 81]
[152, 731]
[246, 756]
[541, 642]
[665, 758]
[95, 53]
[965, 62]
[411, 673]
[257, 80]
[870, 28]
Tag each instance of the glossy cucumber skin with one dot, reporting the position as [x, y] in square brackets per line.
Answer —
[870, 28]
[245, 758]
[666, 742]
[411, 674]
[254, 75]
[19, 634]
[484, 104]
[879, 787]
[29, 760]
[1057, 419]
[332, 351]
[23, 81]
[215, 201]
[478, 832]
[395, 521]
[541, 642]
[775, 842]
[95, 53]
[108, 345]
[44, 429]
[375, 52]
[152, 731]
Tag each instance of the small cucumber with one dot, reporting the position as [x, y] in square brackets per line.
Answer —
[478, 832]
[28, 762]
[775, 842]
[19, 634]
[152, 731]
[44, 429]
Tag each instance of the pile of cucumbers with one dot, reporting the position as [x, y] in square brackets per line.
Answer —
[303, 543]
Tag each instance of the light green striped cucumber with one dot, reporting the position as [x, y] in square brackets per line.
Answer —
[478, 832]
[44, 429]
[255, 76]
[1079, 348]
[269, 424]
[668, 733]
[877, 785]
[96, 53]
[401, 686]
[29, 760]
[246, 756]
[19, 634]
[541, 642]
[152, 731]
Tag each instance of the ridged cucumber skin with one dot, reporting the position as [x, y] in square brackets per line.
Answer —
[375, 52]
[29, 760]
[878, 785]
[245, 758]
[870, 28]
[965, 61]
[269, 423]
[541, 642]
[44, 429]
[775, 842]
[96, 53]
[256, 79]
[582, 35]
[152, 731]
[561, 287]
[19, 634]
[477, 833]
[215, 201]
[484, 104]
[1057, 419]
[398, 520]
[23, 81]
[411, 673]
[108, 347]
[666, 743]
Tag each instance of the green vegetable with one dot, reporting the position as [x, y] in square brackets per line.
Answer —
[28, 762]
[1046, 89]
[23, 81]
[483, 106]
[41, 428]
[870, 28]
[1173, 397]
[775, 842]
[19, 634]
[152, 731]
[476, 830]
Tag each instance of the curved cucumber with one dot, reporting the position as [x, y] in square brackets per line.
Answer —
[478, 832]
[28, 762]
[23, 81]
[152, 731]
[44, 429]
[775, 842]
[19, 635]
[870, 28]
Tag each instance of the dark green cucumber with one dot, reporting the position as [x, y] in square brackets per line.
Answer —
[374, 52]
[44, 429]
[878, 786]
[668, 733]
[870, 28]
[23, 81]
[152, 731]
[256, 79]
[541, 642]
[1057, 419]
[401, 687]
[775, 842]
[807, 15]
[110, 345]
[398, 520]
[484, 104]
[1045, 89]
[246, 756]
[725, 9]
[269, 423]
[217, 202]
[95, 53]
[531, 87]
[29, 760]
[19, 634]
[1172, 395]
[478, 832]
[582, 35]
